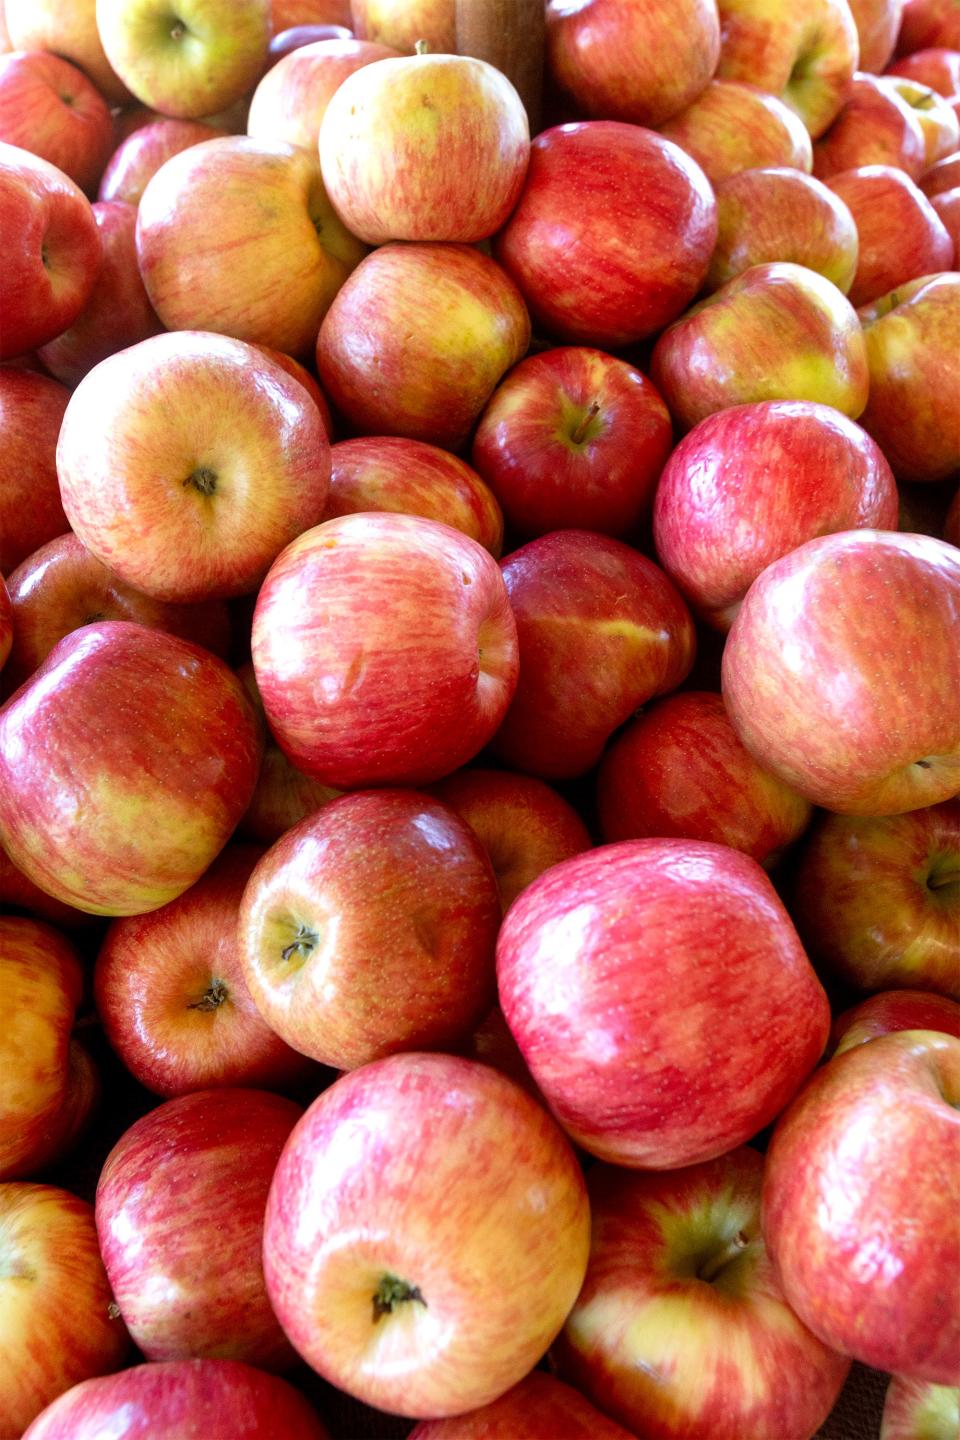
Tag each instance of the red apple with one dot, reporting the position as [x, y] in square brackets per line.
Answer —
[284, 14]
[67, 30]
[538, 1407]
[940, 126]
[877, 22]
[601, 631]
[947, 207]
[49, 107]
[284, 795]
[6, 623]
[915, 1408]
[941, 177]
[60, 1325]
[573, 438]
[860, 1202]
[426, 1234]
[292, 97]
[929, 24]
[301, 374]
[138, 158]
[732, 1359]
[890, 1011]
[875, 127]
[125, 764]
[19, 893]
[855, 707]
[732, 127]
[937, 67]
[31, 412]
[612, 235]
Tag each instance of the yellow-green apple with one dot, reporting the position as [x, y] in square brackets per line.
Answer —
[889, 1011]
[186, 1272]
[188, 59]
[138, 158]
[20, 894]
[681, 1330]
[912, 340]
[612, 235]
[916, 1410]
[775, 332]
[860, 1199]
[48, 1083]
[410, 477]
[877, 22]
[630, 60]
[602, 962]
[937, 67]
[573, 438]
[929, 24]
[118, 313]
[401, 23]
[67, 30]
[947, 207]
[875, 127]
[750, 484]
[61, 587]
[172, 999]
[285, 14]
[860, 725]
[283, 795]
[524, 825]
[951, 528]
[939, 124]
[122, 830]
[292, 97]
[370, 928]
[680, 770]
[179, 1400]
[49, 107]
[417, 340]
[807, 57]
[416, 677]
[426, 1234]
[539, 1406]
[31, 412]
[601, 631]
[60, 1324]
[210, 262]
[51, 255]
[188, 462]
[877, 899]
[732, 127]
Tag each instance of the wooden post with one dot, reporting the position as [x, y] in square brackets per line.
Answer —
[508, 34]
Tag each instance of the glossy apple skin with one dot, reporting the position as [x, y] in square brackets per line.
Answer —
[775, 332]
[284, 795]
[936, 66]
[601, 631]
[890, 1011]
[750, 484]
[365, 1193]
[612, 235]
[188, 462]
[20, 894]
[860, 1203]
[68, 31]
[632, 60]
[43, 213]
[209, 262]
[48, 1083]
[178, 1400]
[914, 1408]
[401, 318]
[938, 121]
[539, 1408]
[409, 477]
[818, 697]
[393, 709]
[187, 1284]
[402, 23]
[732, 127]
[183, 759]
[913, 351]
[947, 207]
[877, 22]
[291, 99]
[680, 770]
[138, 158]
[602, 962]
[877, 900]
[31, 413]
[681, 1330]
[573, 439]
[901, 235]
[49, 107]
[303, 376]
[875, 127]
[60, 1325]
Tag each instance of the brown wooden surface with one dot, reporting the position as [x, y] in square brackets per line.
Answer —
[508, 34]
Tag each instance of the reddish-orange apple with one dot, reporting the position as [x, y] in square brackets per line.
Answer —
[49, 107]
[889, 1011]
[138, 158]
[901, 235]
[292, 98]
[31, 413]
[732, 127]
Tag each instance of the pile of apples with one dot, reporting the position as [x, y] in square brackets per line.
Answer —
[515, 845]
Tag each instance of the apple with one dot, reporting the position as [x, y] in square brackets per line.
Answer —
[858, 710]
[890, 1011]
[188, 462]
[20, 894]
[877, 22]
[60, 1325]
[573, 438]
[539, 1406]
[383, 472]
[612, 235]
[941, 177]
[860, 1200]
[283, 795]
[189, 59]
[732, 127]
[51, 255]
[628, 60]
[912, 340]
[403, 1200]
[915, 1408]
[178, 1400]
[750, 484]
[636, 975]
[291, 99]
[766, 215]
[877, 900]
[67, 30]
[6, 623]
[301, 374]
[929, 24]
[680, 770]
[31, 412]
[601, 631]
[947, 207]
[733, 1360]
[775, 332]
[940, 126]
[285, 14]
[417, 340]
[49, 107]
[401, 23]
[937, 67]
[875, 127]
[125, 764]
[138, 158]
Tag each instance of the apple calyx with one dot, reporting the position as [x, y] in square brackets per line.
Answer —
[212, 998]
[178, 29]
[714, 1264]
[203, 479]
[393, 1291]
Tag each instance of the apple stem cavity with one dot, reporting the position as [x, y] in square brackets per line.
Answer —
[390, 1292]
[580, 433]
[301, 944]
[202, 479]
[711, 1268]
[212, 998]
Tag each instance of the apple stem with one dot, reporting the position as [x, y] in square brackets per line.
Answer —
[212, 998]
[422, 47]
[580, 434]
[390, 1292]
[711, 1269]
[177, 30]
[301, 944]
